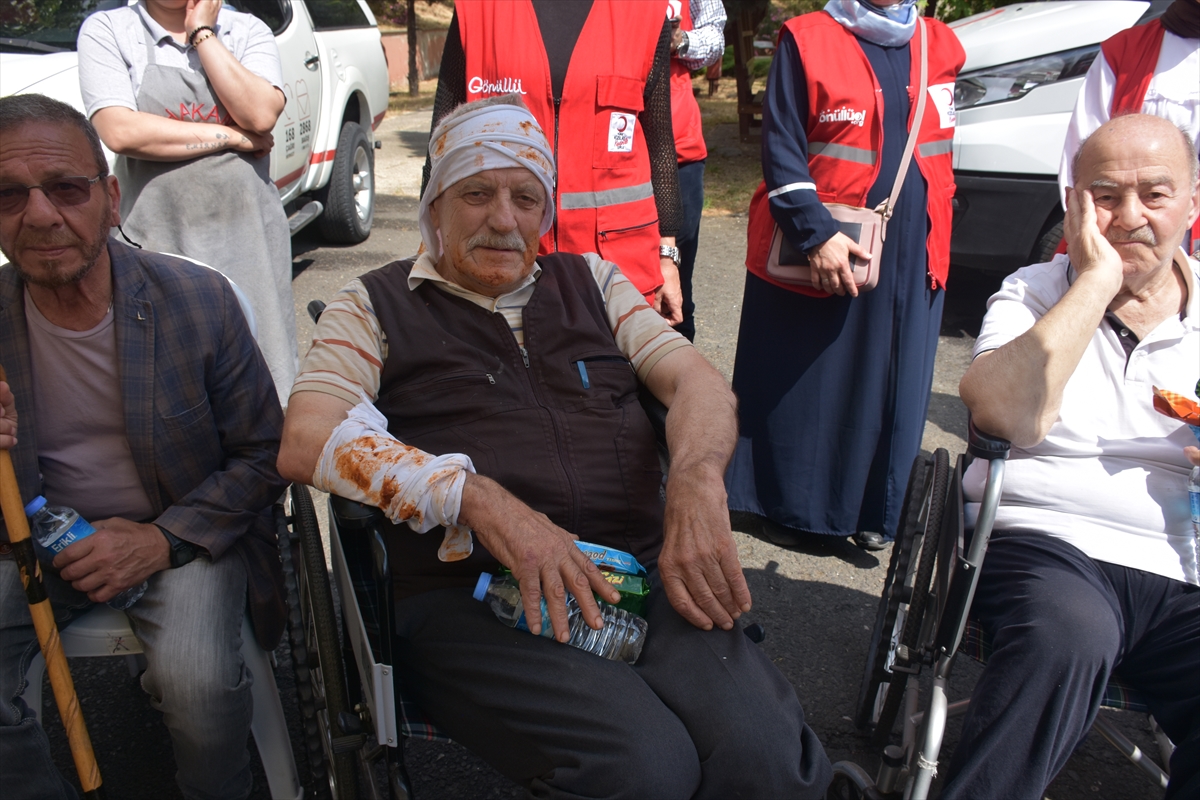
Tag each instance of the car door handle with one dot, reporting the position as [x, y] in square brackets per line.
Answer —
[312, 61]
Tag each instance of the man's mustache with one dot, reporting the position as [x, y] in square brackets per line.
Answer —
[498, 241]
[1143, 235]
[59, 238]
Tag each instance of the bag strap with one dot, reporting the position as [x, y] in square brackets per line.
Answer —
[888, 206]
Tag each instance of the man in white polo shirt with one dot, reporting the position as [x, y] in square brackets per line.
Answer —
[1092, 567]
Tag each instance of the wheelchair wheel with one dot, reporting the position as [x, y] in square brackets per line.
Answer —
[898, 623]
[851, 782]
[889, 605]
[316, 654]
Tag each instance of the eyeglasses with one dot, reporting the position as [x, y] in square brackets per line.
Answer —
[62, 192]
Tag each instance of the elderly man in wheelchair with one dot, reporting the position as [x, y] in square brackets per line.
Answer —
[488, 397]
[1091, 568]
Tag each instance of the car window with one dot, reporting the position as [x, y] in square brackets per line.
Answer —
[31, 27]
[276, 13]
[327, 14]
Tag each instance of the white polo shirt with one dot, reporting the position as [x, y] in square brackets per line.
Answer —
[1110, 477]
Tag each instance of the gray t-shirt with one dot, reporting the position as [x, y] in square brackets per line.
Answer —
[83, 449]
[112, 52]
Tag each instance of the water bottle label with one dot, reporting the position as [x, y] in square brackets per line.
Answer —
[1194, 499]
[523, 625]
[80, 529]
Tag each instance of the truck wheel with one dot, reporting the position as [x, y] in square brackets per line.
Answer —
[1047, 246]
[349, 197]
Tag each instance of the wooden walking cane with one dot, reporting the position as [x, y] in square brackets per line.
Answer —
[47, 630]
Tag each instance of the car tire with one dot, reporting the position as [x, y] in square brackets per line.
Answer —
[1048, 244]
[349, 197]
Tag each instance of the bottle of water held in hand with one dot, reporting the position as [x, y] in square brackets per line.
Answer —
[58, 527]
[1194, 501]
[620, 639]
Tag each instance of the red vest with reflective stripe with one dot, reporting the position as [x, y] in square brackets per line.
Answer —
[685, 111]
[1132, 56]
[604, 199]
[845, 131]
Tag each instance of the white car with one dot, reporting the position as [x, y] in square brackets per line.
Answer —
[1014, 97]
[335, 79]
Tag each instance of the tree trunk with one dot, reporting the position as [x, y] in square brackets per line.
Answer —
[414, 80]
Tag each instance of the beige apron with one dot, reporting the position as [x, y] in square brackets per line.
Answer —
[221, 209]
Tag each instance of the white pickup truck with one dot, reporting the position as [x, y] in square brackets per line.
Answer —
[335, 79]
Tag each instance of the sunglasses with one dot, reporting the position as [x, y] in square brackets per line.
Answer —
[62, 192]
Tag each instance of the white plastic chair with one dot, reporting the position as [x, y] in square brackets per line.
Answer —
[104, 631]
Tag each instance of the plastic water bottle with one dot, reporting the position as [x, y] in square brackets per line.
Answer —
[1194, 501]
[620, 639]
[57, 527]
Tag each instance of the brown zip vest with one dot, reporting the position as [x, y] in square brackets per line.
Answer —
[559, 424]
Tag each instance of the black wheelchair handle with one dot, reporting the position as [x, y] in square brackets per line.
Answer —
[985, 446]
[315, 307]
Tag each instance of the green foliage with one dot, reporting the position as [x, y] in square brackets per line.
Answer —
[950, 10]
[53, 22]
[390, 12]
[759, 66]
[780, 11]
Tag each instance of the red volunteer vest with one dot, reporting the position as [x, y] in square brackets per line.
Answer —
[685, 111]
[845, 132]
[1132, 55]
[604, 200]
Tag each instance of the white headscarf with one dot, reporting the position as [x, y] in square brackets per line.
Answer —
[497, 136]
[887, 26]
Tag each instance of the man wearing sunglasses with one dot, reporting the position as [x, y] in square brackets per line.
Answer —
[145, 405]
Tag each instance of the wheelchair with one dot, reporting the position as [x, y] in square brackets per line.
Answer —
[922, 623]
[356, 719]
[352, 721]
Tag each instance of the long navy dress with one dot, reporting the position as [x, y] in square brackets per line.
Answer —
[833, 391]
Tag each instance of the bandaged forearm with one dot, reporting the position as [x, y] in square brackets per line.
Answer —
[363, 462]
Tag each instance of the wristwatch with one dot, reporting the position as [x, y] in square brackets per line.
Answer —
[683, 46]
[665, 251]
[181, 552]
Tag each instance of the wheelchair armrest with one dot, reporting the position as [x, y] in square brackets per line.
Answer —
[353, 515]
[985, 446]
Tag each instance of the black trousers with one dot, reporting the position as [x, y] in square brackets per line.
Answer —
[691, 193]
[702, 714]
[1061, 623]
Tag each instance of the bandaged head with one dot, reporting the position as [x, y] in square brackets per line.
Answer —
[494, 133]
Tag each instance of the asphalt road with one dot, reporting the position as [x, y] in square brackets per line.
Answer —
[817, 601]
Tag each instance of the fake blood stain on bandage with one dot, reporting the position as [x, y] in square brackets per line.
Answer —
[361, 461]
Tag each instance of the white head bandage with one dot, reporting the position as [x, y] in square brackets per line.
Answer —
[498, 136]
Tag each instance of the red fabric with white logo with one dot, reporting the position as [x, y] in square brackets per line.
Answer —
[1132, 56]
[606, 78]
[840, 80]
[685, 111]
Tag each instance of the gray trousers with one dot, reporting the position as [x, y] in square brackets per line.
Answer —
[702, 714]
[190, 624]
